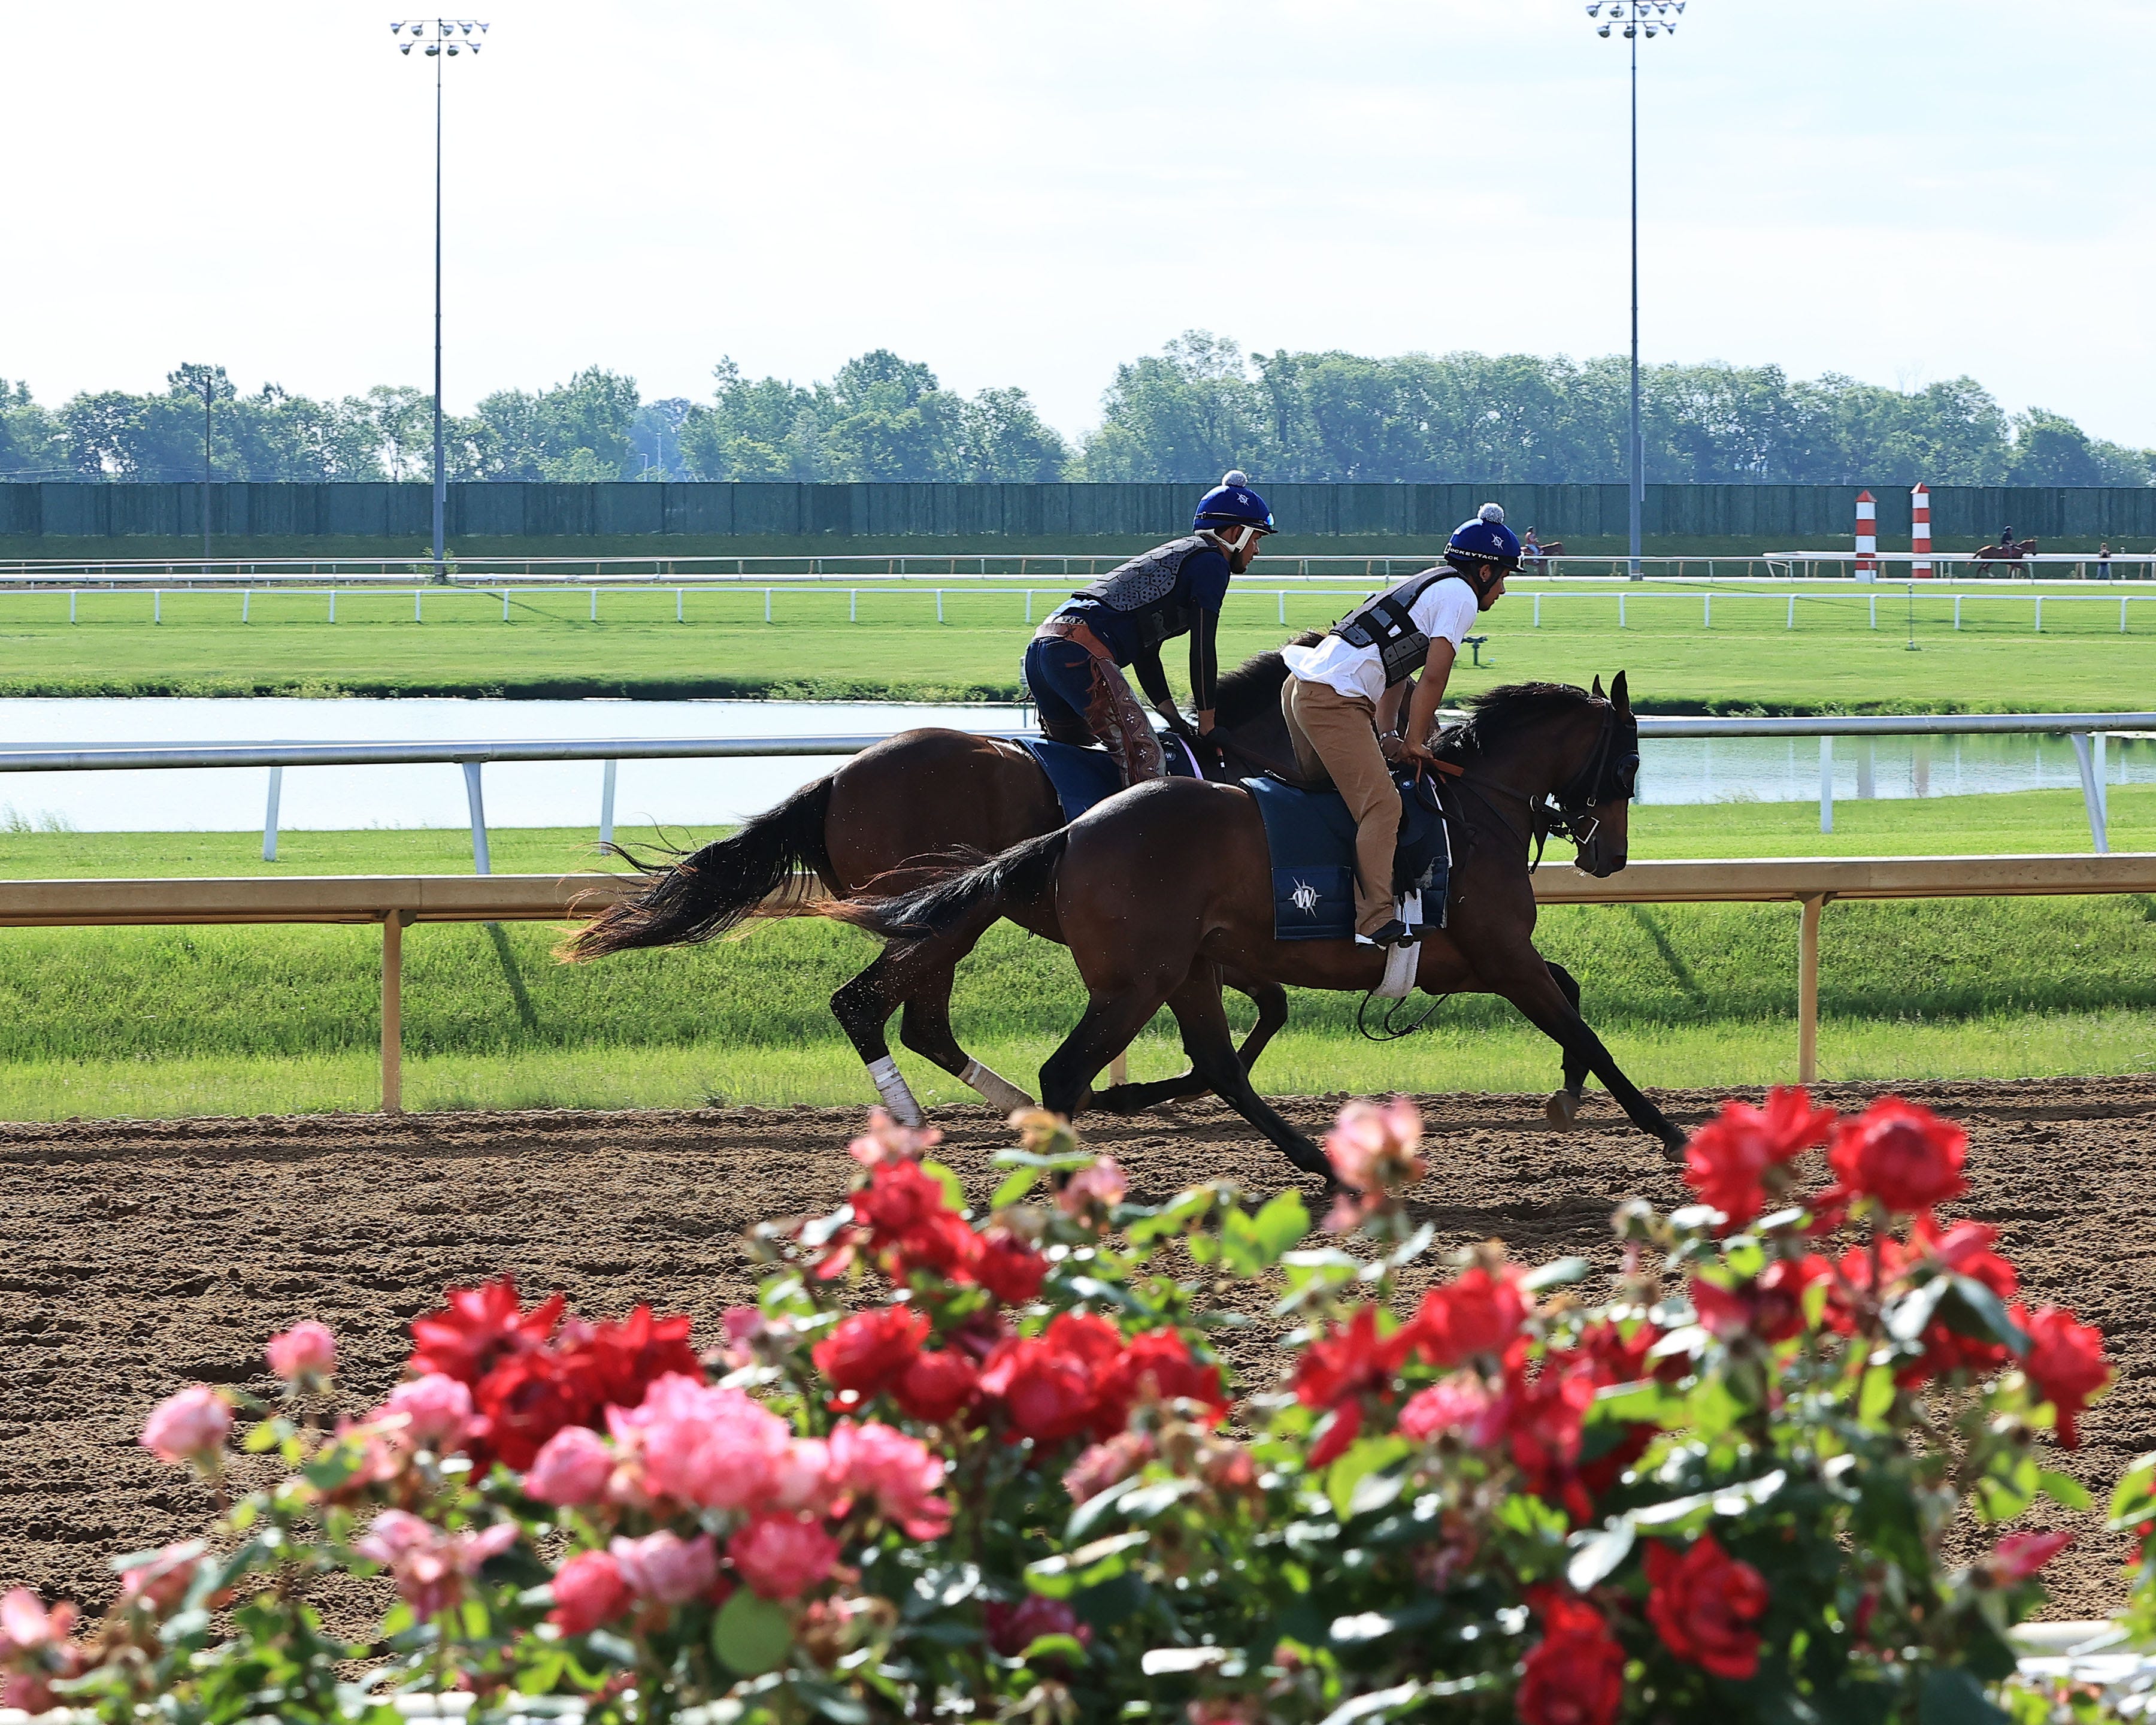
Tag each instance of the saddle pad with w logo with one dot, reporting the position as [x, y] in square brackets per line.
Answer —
[1310, 839]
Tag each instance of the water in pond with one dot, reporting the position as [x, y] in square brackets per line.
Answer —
[693, 793]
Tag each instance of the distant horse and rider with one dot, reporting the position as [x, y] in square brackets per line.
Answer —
[1163, 892]
[2008, 550]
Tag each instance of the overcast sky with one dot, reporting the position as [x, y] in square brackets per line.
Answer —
[1903, 190]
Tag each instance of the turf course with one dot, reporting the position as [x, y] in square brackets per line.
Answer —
[889, 642]
[175, 1021]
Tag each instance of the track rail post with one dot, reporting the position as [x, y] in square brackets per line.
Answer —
[1808, 953]
[392, 1011]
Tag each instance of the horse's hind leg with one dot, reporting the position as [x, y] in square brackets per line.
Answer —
[925, 1029]
[862, 1007]
[1562, 1106]
[1271, 1002]
[1211, 1046]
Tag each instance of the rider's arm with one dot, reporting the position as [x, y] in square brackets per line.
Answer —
[1428, 695]
[1205, 668]
[1154, 682]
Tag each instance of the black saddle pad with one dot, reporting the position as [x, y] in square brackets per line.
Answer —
[1310, 838]
[1085, 776]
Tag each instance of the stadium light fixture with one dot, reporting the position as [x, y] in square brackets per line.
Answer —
[438, 33]
[1635, 18]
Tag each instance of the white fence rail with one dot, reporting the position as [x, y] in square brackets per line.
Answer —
[2087, 731]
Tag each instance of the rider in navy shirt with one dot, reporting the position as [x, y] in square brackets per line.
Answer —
[1074, 664]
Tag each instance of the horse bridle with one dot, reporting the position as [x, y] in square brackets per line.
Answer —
[1608, 775]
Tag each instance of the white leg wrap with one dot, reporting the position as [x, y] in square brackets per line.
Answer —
[994, 1088]
[890, 1086]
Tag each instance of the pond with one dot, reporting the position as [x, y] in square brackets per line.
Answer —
[700, 792]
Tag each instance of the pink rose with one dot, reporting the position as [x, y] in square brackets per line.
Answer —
[666, 1567]
[898, 1471]
[1012, 1629]
[2018, 1556]
[26, 1626]
[715, 1448]
[572, 1467]
[160, 1580]
[803, 1478]
[589, 1590]
[437, 1410]
[1101, 1186]
[1106, 1464]
[1458, 1403]
[783, 1557]
[430, 1563]
[307, 1351]
[190, 1426]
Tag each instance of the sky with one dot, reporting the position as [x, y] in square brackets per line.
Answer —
[1899, 190]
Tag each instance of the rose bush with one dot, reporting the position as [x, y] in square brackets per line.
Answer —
[995, 1464]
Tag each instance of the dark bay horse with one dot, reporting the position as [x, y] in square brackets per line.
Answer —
[1148, 887]
[919, 799]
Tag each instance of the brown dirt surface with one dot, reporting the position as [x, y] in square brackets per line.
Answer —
[143, 1256]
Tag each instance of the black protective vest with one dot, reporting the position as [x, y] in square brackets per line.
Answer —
[1142, 590]
[1386, 621]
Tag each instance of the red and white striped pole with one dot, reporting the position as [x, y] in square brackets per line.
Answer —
[1920, 531]
[1867, 537]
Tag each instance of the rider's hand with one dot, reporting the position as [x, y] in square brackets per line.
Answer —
[1394, 747]
[1417, 752]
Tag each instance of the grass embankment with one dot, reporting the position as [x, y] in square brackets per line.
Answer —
[1833, 660]
[257, 1020]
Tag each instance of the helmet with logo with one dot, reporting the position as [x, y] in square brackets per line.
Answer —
[1233, 504]
[1485, 549]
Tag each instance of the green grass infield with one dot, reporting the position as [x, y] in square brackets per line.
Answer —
[167, 1021]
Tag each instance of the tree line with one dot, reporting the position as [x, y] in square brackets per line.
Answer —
[1199, 406]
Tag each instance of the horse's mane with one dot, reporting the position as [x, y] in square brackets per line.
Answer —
[1509, 707]
[1255, 685]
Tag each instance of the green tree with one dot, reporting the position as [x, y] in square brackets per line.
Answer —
[1187, 413]
[31, 445]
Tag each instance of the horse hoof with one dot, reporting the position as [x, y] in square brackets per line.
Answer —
[1563, 1110]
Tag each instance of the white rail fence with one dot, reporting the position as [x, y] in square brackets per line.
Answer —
[2087, 731]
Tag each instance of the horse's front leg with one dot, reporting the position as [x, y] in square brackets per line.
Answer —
[1530, 985]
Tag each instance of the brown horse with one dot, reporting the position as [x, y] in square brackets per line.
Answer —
[920, 798]
[2010, 552]
[1154, 889]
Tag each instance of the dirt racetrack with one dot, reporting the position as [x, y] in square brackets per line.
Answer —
[143, 1256]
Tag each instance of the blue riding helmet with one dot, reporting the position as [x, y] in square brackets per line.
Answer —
[1233, 504]
[1486, 544]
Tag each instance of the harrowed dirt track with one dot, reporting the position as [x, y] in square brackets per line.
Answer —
[141, 1256]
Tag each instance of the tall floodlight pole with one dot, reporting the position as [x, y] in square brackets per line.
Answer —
[442, 38]
[209, 386]
[1635, 18]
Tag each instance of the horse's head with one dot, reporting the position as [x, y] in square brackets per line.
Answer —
[1594, 806]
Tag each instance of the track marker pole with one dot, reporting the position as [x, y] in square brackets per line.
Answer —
[475, 800]
[2087, 757]
[1920, 532]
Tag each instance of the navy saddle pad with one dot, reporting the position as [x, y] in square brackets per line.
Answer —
[1311, 840]
[1085, 776]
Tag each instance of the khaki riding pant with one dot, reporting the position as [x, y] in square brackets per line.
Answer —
[1335, 737]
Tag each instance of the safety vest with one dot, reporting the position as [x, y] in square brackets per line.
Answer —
[1142, 588]
[1386, 621]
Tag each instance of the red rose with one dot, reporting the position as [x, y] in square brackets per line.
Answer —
[1047, 1395]
[936, 1386]
[521, 1402]
[1158, 1365]
[1352, 1361]
[1728, 1159]
[1479, 1313]
[1012, 1629]
[1703, 1605]
[589, 1591]
[1771, 1308]
[900, 1196]
[2017, 1557]
[478, 1327]
[618, 1362]
[2065, 1362]
[1009, 1268]
[943, 1245]
[1544, 1420]
[1575, 1673]
[871, 1350]
[1907, 1158]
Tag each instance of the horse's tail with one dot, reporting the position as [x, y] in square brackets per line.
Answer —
[762, 870]
[959, 896]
